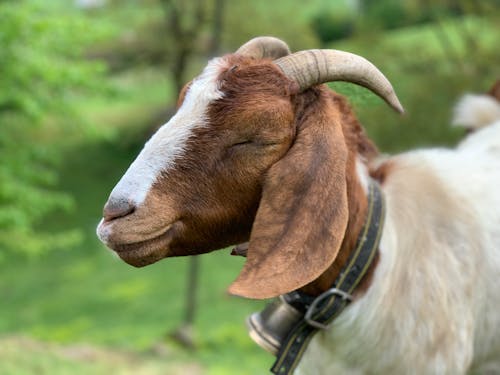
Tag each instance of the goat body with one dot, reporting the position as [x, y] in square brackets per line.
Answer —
[433, 305]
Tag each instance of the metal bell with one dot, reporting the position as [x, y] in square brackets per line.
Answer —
[269, 327]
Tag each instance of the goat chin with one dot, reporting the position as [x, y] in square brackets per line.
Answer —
[432, 303]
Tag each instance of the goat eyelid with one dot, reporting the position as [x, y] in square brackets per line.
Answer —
[255, 143]
[242, 143]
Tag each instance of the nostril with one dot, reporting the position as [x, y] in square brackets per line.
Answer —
[116, 208]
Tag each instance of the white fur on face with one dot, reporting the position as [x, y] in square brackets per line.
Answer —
[168, 143]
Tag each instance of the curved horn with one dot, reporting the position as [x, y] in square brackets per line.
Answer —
[312, 67]
[264, 47]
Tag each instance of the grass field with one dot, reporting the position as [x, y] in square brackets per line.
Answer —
[25, 356]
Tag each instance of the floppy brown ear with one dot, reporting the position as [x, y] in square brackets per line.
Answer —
[303, 214]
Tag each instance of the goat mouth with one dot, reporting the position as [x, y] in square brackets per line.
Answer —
[143, 253]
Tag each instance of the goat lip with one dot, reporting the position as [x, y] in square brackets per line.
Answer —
[144, 252]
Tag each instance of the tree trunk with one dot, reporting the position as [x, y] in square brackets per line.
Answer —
[218, 17]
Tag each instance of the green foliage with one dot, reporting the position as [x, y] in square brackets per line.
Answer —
[42, 75]
[430, 66]
[389, 14]
[286, 19]
[41, 57]
[393, 14]
[329, 26]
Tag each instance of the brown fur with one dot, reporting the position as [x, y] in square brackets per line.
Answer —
[358, 145]
[495, 90]
[302, 214]
[182, 94]
[275, 167]
[213, 192]
[381, 171]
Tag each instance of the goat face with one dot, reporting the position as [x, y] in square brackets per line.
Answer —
[196, 185]
[251, 154]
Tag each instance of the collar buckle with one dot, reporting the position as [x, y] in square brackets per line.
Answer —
[313, 308]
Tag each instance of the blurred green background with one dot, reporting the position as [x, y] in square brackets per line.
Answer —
[84, 83]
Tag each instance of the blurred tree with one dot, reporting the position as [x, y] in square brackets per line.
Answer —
[169, 39]
[289, 20]
[184, 21]
[41, 73]
[388, 14]
[185, 33]
[217, 23]
[330, 26]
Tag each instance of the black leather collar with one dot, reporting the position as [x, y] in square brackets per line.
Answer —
[315, 313]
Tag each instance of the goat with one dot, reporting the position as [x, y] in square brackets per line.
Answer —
[481, 112]
[260, 151]
[475, 111]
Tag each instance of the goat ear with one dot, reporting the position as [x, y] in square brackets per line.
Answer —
[302, 216]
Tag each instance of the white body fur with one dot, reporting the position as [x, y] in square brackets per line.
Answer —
[434, 304]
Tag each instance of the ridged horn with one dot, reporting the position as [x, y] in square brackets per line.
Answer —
[264, 47]
[312, 67]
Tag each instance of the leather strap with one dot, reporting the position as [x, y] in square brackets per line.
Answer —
[320, 311]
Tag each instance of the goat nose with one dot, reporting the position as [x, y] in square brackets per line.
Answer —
[115, 208]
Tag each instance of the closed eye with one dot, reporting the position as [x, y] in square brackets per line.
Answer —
[254, 144]
[242, 143]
